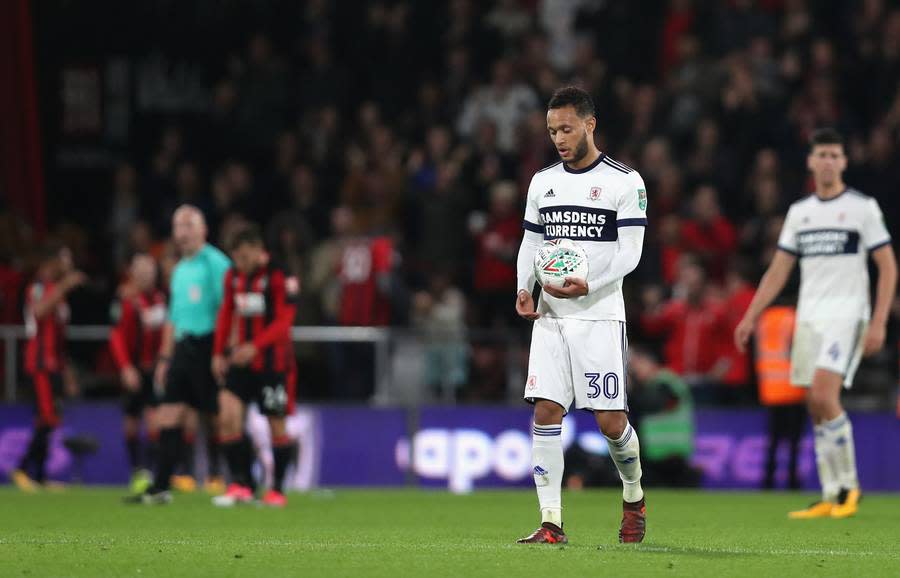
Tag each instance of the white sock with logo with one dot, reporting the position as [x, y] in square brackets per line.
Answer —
[825, 464]
[626, 453]
[547, 464]
[839, 433]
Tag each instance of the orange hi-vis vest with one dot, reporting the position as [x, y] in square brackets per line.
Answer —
[774, 333]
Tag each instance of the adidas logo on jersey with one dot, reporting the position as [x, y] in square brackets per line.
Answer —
[549, 194]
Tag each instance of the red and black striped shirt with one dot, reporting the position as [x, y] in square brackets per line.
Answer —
[258, 307]
[137, 336]
[45, 350]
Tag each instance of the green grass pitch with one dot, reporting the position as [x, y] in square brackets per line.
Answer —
[392, 533]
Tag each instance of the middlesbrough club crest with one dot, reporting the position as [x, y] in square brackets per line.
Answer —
[595, 193]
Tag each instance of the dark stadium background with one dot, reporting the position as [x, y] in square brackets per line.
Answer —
[289, 113]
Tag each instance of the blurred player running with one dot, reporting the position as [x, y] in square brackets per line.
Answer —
[135, 341]
[46, 316]
[183, 369]
[253, 359]
[832, 232]
[578, 344]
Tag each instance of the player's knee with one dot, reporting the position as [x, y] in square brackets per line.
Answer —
[169, 415]
[548, 413]
[277, 426]
[131, 427]
[612, 424]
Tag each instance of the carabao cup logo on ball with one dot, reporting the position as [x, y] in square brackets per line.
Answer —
[558, 259]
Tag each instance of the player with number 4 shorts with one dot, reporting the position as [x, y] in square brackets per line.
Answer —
[832, 233]
[579, 344]
[253, 360]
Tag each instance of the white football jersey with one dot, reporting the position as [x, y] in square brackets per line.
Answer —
[587, 206]
[833, 239]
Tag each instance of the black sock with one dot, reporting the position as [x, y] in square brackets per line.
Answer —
[282, 455]
[37, 452]
[133, 446]
[234, 456]
[151, 449]
[185, 464]
[213, 456]
[171, 441]
[248, 458]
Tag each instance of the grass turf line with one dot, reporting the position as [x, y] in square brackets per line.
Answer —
[88, 532]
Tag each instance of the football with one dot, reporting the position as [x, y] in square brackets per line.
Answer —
[558, 259]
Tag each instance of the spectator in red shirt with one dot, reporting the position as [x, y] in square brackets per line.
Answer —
[496, 244]
[365, 273]
[738, 295]
[670, 247]
[691, 322]
[708, 233]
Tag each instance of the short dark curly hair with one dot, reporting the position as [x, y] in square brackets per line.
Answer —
[249, 235]
[575, 97]
[825, 136]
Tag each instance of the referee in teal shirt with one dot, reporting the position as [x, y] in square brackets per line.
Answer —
[183, 370]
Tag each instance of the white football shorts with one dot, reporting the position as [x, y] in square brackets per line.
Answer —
[834, 345]
[578, 360]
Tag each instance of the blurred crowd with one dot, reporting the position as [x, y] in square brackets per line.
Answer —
[386, 148]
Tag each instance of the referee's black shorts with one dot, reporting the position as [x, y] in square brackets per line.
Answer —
[190, 378]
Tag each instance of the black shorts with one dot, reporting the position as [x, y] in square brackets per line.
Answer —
[135, 402]
[190, 378]
[268, 389]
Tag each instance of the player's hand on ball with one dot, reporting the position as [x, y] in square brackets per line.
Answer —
[219, 368]
[525, 306]
[742, 334]
[243, 354]
[874, 341]
[131, 379]
[573, 287]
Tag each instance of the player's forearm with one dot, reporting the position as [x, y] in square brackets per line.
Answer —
[769, 287]
[278, 329]
[53, 298]
[531, 242]
[223, 327]
[626, 259]
[167, 341]
[771, 284]
[887, 288]
[119, 349]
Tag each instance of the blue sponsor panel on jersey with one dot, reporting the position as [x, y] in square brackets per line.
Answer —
[579, 223]
[826, 242]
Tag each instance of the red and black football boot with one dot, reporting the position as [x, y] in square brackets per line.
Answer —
[634, 522]
[547, 534]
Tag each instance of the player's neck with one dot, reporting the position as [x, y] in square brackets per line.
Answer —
[590, 158]
[827, 192]
[193, 251]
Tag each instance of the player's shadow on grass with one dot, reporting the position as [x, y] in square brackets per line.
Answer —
[712, 553]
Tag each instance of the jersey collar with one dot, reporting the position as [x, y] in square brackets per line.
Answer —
[837, 196]
[590, 167]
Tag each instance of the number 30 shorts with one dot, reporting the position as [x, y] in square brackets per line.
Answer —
[578, 360]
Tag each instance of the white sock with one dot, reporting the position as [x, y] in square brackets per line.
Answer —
[626, 453]
[839, 433]
[547, 461]
[825, 464]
